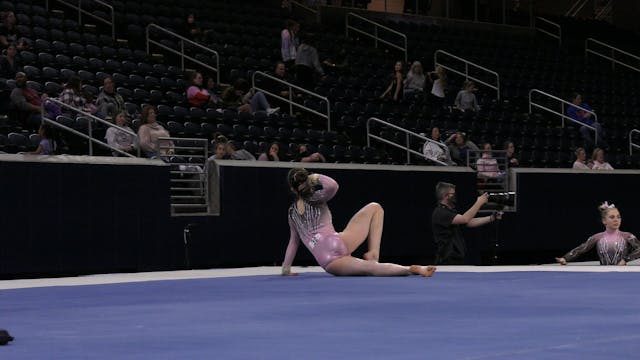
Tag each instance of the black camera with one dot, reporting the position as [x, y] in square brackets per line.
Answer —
[502, 199]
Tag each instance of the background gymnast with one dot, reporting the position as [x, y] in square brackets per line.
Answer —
[310, 222]
[614, 246]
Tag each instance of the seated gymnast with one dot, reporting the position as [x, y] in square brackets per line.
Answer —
[615, 247]
[310, 222]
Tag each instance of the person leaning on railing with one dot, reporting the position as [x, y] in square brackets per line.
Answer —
[598, 161]
[581, 160]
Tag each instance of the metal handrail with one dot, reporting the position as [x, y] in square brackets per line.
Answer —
[466, 70]
[82, 11]
[90, 128]
[612, 57]
[174, 140]
[290, 99]
[633, 145]
[189, 169]
[303, 6]
[576, 8]
[181, 53]
[408, 146]
[562, 114]
[605, 11]
[375, 34]
[556, 25]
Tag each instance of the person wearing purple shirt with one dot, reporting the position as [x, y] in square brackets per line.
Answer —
[614, 247]
[580, 111]
[310, 223]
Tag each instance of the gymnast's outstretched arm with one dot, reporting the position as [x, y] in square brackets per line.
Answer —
[581, 249]
[292, 249]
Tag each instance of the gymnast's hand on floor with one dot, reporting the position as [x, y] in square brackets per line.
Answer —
[562, 261]
[622, 263]
[287, 272]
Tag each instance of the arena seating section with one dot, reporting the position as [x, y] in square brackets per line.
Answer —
[246, 34]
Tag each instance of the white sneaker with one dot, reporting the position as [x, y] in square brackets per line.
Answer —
[272, 110]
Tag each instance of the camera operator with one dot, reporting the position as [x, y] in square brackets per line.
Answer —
[446, 224]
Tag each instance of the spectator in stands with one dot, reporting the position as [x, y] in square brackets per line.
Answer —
[191, 29]
[414, 83]
[438, 79]
[119, 139]
[9, 32]
[211, 86]
[198, 96]
[273, 154]
[510, 149]
[338, 60]
[243, 98]
[280, 72]
[447, 224]
[11, 63]
[149, 133]
[433, 151]
[581, 160]
[466, 98]
[310, 223]
[47, 144]
[27, 102]
[90, 102]
[487, 165]
[581, 112]
[302, 154]
[109, 101]
[459, 146]
[394, 90]
[614, 247]
[597, 158]
[307, 63]
[220, 150]
[289, 43]
[72, 93]
[238, 154]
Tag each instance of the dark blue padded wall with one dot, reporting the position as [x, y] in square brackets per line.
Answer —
[73, 217]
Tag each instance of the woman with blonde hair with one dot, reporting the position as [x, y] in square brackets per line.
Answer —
[439, 80]
[614, 247]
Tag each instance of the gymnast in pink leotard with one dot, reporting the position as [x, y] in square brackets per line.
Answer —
[310, 222]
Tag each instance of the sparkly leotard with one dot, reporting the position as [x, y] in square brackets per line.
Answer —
[314, 227]
[612, 247]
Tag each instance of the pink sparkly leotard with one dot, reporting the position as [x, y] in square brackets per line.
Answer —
[612, 247]
[314, 227]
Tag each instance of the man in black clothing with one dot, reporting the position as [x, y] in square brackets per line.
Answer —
[446, 224]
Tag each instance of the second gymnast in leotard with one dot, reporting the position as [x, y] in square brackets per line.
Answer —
[310, 223]
[614, 247]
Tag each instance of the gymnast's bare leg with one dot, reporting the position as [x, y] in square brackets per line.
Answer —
[351, 266]
[367, 222]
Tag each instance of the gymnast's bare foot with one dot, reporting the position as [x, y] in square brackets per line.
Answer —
[426, 271]
[371, 256]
